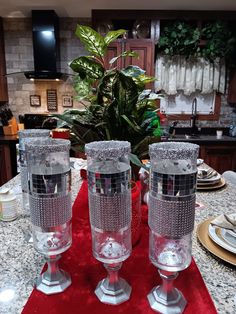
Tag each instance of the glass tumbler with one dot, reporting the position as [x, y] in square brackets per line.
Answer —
[171, 218]
[25, 135]
[49, 176]
[109, 178]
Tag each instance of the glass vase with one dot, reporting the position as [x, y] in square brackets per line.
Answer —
[24, 136]
[110, 214]
[49, 176]
[171, 218]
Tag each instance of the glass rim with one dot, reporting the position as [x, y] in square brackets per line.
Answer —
[47, 145]
[173, 150]
[33, 133]
[107, 149]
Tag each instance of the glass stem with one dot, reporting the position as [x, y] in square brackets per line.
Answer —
[167, 287]
[113, 272]
[53, 272]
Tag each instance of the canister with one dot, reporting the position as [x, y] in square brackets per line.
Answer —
[8, 206]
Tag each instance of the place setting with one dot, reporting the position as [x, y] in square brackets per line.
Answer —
[208, 179]
[218, 235]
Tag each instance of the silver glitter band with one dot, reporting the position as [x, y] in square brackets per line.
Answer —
[174, 151]
[107, 149]
[50, 212]
[170, 218]
[33, 133]
[24, 179]
[47, 145]
[110, 213]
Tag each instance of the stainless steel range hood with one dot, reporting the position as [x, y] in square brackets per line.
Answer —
[46, 47]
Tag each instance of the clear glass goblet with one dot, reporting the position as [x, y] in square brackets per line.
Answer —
[171, 218]
[25, 135]
[49, 176]
[110, 214]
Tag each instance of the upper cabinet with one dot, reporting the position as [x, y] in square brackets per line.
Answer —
[143, 47]
[3, 80]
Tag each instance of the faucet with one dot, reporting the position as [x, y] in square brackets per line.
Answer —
[194, 129]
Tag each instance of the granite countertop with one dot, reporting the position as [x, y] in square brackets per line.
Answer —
[20, 263]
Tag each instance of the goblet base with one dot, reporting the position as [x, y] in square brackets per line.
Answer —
[113, 293]
[170, 303]
[48, 285]
[53, 280]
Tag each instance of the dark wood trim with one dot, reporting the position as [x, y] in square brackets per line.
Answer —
[209, 117]
[104, 15]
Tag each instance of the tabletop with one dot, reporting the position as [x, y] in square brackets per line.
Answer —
[20, 263]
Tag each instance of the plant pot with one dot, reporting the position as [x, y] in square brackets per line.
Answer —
[61, 133]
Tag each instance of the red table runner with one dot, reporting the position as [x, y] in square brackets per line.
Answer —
[86, 272]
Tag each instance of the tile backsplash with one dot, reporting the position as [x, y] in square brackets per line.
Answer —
[19, 58]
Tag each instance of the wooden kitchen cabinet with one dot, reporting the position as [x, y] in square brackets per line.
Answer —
[3, 80]
[219, 157]
[5, 164]
[144, 48]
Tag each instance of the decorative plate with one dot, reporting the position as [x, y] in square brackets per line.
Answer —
[210, 186]
[215, 235]
[211, 246]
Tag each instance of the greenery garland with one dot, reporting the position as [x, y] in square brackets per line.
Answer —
[215, 39]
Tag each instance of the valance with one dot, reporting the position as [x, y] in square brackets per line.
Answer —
[175, 73]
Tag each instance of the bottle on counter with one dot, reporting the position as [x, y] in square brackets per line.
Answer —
[8, 206]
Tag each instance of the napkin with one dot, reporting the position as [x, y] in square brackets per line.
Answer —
[202, 173]
[206, 173]
[225, 221]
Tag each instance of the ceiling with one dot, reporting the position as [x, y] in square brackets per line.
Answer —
[82, 8]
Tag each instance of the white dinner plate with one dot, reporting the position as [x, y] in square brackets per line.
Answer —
[215, 234]
[229, 237]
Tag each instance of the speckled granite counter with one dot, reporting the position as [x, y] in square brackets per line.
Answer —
[20, 263]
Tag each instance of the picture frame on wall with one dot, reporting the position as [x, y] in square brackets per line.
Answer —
[35, 100]
[67, 101]
[52, 99]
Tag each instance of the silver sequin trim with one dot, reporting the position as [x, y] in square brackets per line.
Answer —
[172, 219]
[50, 212]
[110, 213]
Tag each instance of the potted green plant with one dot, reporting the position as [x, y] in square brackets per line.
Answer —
[116, 105]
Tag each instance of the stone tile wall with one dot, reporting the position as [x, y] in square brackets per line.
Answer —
[19, 58]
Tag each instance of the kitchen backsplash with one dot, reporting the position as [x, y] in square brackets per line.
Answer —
[19, 58]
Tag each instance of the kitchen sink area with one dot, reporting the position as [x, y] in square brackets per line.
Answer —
[202, 138]
[212, 148]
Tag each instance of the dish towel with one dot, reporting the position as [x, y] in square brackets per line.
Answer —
[86, 272]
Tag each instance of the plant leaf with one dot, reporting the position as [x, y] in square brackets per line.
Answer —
[134, 159]
[92, 40]
[113, 35]
[86, 67]
[124, 54]
[133, 71]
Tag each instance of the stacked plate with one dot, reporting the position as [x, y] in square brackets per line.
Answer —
[226, 238]
[219, 241]
[209, 179]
